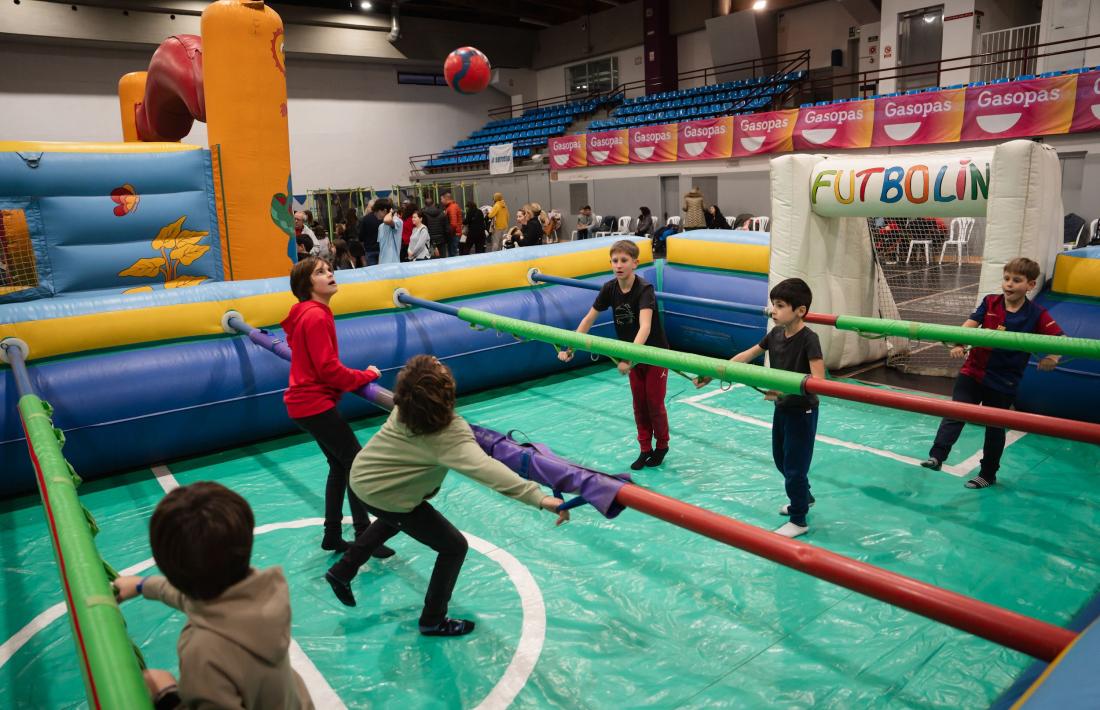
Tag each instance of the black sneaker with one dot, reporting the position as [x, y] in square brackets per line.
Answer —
[340, 588]
[932, 462]
[334, 543]
[640, 461]
[656, 457]
[448, 627]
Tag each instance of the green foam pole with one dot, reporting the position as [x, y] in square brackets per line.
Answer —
[980, 337]
[725, 370]
[112, 677]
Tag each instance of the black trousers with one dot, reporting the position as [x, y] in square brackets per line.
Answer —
[339, 445]
[969, 390]
[427, 526]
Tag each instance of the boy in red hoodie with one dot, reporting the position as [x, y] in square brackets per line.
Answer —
[317, 380]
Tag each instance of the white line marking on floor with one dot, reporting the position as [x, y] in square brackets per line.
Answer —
[324, 697]
[959, 470]
[712, 393]
[965, 467]
[532, 632]
[820, 437]
[165, 478]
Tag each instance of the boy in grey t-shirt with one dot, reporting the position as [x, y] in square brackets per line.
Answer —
[796, 348]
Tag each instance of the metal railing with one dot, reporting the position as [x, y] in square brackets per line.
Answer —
[1012, 49]
[866, 82]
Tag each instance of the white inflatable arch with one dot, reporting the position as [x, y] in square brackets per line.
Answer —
[820, 206]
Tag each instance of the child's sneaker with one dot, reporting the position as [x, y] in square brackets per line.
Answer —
[980, 482]
[639, 462]
[785, 509]
[792, 530]
[656, 457]
[932, 462]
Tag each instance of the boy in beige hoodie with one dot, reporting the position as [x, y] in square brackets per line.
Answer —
[233, 651]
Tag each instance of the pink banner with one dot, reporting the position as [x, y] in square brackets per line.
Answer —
[932, 117]
[764, 132]
[653, 144]
[1086, 110]
[568, 152]
[1019, 109]
[707, 139]
[845, 125]
[609, 148]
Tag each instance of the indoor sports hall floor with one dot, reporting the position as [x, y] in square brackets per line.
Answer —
[626, 612]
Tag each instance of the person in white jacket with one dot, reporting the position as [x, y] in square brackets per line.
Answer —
[420, 241]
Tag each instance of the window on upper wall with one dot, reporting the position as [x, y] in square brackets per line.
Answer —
[597, 75]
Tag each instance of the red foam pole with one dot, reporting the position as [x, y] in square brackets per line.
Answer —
[1007, 628]
[990, 416]
[820, 319]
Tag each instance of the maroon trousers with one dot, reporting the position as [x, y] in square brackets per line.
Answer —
[648, 385]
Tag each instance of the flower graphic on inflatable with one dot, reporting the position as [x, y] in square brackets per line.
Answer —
[126, 199]
[176, 246]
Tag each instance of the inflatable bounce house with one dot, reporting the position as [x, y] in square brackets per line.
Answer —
[130, 272]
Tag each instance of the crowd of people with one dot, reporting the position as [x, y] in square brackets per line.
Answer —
[392, 233]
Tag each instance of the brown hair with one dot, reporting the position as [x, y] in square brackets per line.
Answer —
[625, 246]
[1024, 267]
[201, 537]
[301, 277]
[425, 395]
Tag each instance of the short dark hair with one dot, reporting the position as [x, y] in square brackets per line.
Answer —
[425, 395]
[793, 292]
[301, 278]
[1024, 267]
[382, 204]
[446, 194]
[201, 537]
[625, 246]
[586, 207]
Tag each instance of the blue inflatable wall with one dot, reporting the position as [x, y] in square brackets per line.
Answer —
[110, 223]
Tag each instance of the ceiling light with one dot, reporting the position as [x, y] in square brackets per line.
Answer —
[759, 4]
[364, 5]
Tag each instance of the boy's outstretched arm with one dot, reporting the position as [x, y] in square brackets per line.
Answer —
[959, 351]
[585, 325]
[744, 356]
[645, 325]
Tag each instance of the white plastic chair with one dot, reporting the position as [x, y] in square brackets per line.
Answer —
[926, 243]
[486, 209]
[673, 221]
[959, 237]
[732, 222]
[759, 224]
[624, 225]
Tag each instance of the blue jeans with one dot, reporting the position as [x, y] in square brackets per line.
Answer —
[969, 390]
[793, 432]
[452, 246]
[372, 258]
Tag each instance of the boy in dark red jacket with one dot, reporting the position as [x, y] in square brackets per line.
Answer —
[317, 380]
[990, 376]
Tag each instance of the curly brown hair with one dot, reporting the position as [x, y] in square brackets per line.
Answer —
[425, 395]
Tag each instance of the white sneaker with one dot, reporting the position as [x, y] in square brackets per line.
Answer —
[792, 530]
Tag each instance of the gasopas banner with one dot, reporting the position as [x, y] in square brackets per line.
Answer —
[568, 152]
[609, 148]
[946, 185]
[708, 139]
[653, 144]
[846, 125]
[931, 117]
[760, 133]
[1019, 109]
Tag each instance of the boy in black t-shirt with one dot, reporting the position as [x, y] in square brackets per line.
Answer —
[634, 305]
[796, 348]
